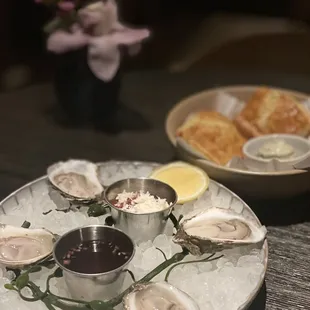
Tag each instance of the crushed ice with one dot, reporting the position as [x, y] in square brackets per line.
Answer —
[223, 284]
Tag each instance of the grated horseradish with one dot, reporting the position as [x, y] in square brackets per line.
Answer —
[140, 202]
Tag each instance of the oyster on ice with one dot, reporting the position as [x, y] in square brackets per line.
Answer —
[215, 229]
[20, 247]
[158, 295]
[76, 179]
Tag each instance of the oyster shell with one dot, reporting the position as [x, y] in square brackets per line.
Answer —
[158, 295]
[215, 229]
[76, 179]
[20, 247]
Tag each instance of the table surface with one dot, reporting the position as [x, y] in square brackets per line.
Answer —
[30, 142]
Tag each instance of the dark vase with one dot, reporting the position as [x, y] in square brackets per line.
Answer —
[83, 97]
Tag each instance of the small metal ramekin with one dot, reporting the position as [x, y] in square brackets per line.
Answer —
[145, 226]
[99, 286]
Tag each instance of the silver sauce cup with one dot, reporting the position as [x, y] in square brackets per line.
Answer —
[145, 226]
[89, 286]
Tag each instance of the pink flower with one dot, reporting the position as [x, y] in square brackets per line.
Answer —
[101, 32]
[65, 5]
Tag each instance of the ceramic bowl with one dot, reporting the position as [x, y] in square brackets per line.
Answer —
[300, 145]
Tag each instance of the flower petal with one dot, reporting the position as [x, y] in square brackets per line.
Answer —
[66, 5]
[129, 36]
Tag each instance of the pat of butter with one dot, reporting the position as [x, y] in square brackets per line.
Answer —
[276, 149]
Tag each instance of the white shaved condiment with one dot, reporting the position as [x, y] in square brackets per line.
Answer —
[276, 149]
[140, 202]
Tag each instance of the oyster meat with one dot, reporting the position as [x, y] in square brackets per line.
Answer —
[20, 247]
[214, 229]
[158, 295]
[76, 178]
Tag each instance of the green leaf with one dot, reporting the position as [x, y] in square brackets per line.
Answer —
[64, 22]
[210, 258]
[47, 262]
[22, 281]
[9, 286]
[58, 273]
[52, 25]
[131, 274]
[174, 221]
[50, 266]
[180, 218]
[99, 305]
[34, 269]
[162, 252]
[26, 224]
[96, 210]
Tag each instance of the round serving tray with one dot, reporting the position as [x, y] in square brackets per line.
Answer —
[259, 185]
[139, 169]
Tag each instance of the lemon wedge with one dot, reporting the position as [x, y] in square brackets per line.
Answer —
[188, 181]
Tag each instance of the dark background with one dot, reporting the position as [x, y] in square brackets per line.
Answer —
[22, 40]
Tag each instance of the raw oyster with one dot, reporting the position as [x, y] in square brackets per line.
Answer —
[214, 229]
[76, 179]
[158, 295]
[20, 247]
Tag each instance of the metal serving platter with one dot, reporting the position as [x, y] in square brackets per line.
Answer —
[258, 185]
[138, 169]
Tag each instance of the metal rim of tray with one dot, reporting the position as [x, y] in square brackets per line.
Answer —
[251, 296]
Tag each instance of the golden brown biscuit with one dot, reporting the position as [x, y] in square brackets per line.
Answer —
[270, 111]
[213, 135]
